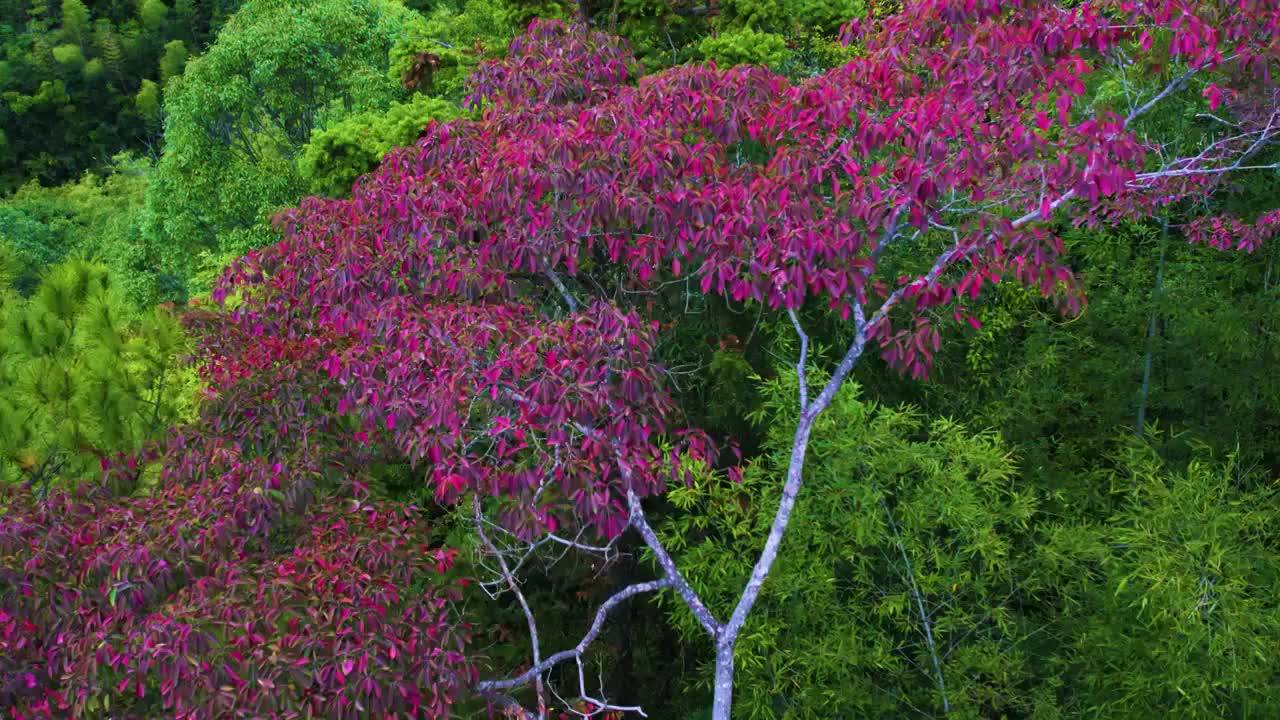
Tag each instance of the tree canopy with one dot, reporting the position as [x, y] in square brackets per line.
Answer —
[924, 372]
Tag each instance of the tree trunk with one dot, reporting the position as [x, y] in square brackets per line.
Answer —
[722, 707]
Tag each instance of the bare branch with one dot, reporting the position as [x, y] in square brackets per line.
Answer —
[600, 705]
[676, 580]
[1169, 89]
[602, 613]
[803, 361]
[1183, 172]
[568, 297]
[524, 605]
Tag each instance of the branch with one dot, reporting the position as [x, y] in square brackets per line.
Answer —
[486, 686]
[637, 520]
[1169, 89]
[505, 701]
[524, 604]
[924, 616]
[600, 704]
[569, 299]
[802, 363]
[795, 476]
[607, 551]
[1203, 171]
[674, 578]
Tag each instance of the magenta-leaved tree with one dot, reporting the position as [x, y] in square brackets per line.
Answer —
[460, 309]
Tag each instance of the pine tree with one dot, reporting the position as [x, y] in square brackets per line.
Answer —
[75, 21]
[82, 376]
[110, 49]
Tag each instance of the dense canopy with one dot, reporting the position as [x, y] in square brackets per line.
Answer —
[620, 380]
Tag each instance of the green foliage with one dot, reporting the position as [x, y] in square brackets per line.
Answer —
[98, 217]
[1059, 389]
[75, 21]
[744, 46]
[457, 35]
[69, 56]
[173, 61]
[8, 266]
[1169, 603]
[70, 75]
[898, 515]
[148, 100]
[82, 376]
[154, 15]
[52, 95]
[788, 15]
[238, 116]
[355, 146]
[914, 539]
[93, 69]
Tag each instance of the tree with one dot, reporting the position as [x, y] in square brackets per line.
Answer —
[888, 190]
[83, 377]
[75, 21]
[486, 308]
[98, 217]
[237, 117]
[337, 155]
[902, 579]
[154, 15]
[173, 60]
[209, 608]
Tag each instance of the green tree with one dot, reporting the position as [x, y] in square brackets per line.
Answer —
[788, 15]
[173, 61]
[82, 376]
[69, 56]
[1167, 604]
[99, 216]
[154, 15]
[745, 46]
[69, 79]
[148, 100]
[900, 582]
[238, 116]
[75, 21]
[336, 156]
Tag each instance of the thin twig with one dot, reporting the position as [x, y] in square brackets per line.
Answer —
[524, 605]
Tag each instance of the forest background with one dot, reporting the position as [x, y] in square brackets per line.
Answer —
[1075, 516]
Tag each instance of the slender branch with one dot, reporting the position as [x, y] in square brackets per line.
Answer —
[924, 615]
[607, 551]
[600, 705]
[802, 363]
[524, 605]
[576, 651]
[674, 577]
[1211, 116]
[641, 524]
[569, 299]
[1169, 89]
[1203, 171]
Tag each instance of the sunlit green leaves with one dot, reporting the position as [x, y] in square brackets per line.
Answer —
[83, 375]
